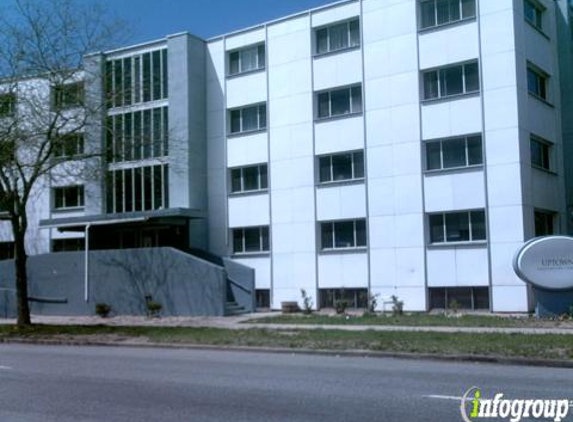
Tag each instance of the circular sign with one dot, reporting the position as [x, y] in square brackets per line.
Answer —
[546, 262]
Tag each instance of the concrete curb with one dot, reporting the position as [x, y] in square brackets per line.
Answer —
[498, 360]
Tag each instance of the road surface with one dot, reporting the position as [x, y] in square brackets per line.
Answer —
[95, 384]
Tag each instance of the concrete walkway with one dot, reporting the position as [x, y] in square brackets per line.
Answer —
[238, 322]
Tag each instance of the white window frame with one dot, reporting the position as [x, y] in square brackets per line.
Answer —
[62, 190]
[353, 164]
[328, 28]
[445, 140]
[445, 232]
[547, 152]
[261, 125]
[450, 22]
[261, 64]
[341, 115]
[439, 86]
[542, 80]
[259, 179]
[355, 236]
[243, 239]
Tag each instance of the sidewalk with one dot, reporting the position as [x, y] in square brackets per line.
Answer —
[237, 323]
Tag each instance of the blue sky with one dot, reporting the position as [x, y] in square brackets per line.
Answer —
[153, 19]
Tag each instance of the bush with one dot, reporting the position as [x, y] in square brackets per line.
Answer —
[372, 303]
[341, 306]
[102, 309]
[153, 308]
[397, 306]
[306, 302]
[454, 306]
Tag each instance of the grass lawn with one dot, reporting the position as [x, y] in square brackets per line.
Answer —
[546, 346]
[419, 320]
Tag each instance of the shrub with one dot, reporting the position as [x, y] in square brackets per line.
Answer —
[454, 306]
[372, 303]
[341, 306]
[397, 306]
[102, 309]
[153, 308]
[306, 302]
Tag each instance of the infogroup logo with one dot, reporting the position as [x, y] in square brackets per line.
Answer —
[474, 407]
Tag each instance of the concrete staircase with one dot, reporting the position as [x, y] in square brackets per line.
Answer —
[233, 308]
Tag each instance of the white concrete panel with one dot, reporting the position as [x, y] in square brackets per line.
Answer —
[451, 118]
[541, 119]
[341, 202]
[380, 162]
[246, 90]
[336, 70]
[378, 127]
[449, 45]
[545, 190]
[247, 149]
[390, 57]
[339, 135]
[504, 187]
[409, 230]
[245, 39]
[291, 110]
[506, 225]
[215, 95]
[262, 267]
[290, 79]
[499, 70]
[215, 69]
[249, 210]
[382, 233]
[410, 269]
[510, 299]
[293, 272]
[291, 142]
[441, 267]
[383, 267]
[336, 13]
[295, 173]
[497, 31]
[408, 194]
[502, 146]
[489, 7]
[346, 270]
[501, 108]
[294, 237]
[457, 267]
[383, 20]
[449, 191]
[293, 205]
[381, 196]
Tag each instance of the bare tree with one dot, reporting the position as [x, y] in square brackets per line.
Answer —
[44, 109]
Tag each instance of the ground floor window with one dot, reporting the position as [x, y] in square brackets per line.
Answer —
[355, 298]
[474, 298]
[68, 245]
[263, 297]
[251, 240]
[544, 223]
[6, 250]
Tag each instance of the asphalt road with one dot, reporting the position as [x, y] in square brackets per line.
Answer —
[65, 384]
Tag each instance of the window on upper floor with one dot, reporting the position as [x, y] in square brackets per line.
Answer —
[337, 37]
[452, 227]
[247, 59]
[68, 95]
[347, 234]
[451, 81]
[541, 151]
[251, 240]
[533, 12]
[68, 197]
[137, 79]
[7, 104]
[249, 179]
[544, 223]
[442, 12]
[537, 82]
[248, 119]
[340, 167]
[465, 151]
[339, 102]
[69, 145]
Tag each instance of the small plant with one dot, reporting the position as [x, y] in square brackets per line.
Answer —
[340, 306]
[102, 310]
[153, 309]
[372, 303]
[571, 312]
[306, 302]
[454, 306]
[397, 306]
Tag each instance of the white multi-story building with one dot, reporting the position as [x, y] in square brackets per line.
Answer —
[392, 147]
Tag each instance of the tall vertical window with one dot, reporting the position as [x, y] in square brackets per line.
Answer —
[68, 197]
[67, 95]
[537, 82]
[247, 59]
[441, 12]
[540, 153]
[137, 189]
[533, 12]
[7, 104]
[544, 223]
[338, 37]
[451, 227]
[249, 179]
[454, 153]
[343, 234]
[339, 167]
[339, 102]
[248, 119]
[251, 240]
[451, 80]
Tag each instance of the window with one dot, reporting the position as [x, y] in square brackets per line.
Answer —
[248, 119]
[69, 145]
[466, 226]
[454, 153]
[248, 179]
[138, 189]
[67, 95]
[6, 250]
[442, 12]
[461, 297]
[263, 298]
[68, 245]
[354, 298]
[137, 135]
[537, 82]
[247, 60]
[338, 37]
[540, 153]
[338, 167]
[68, 197]
[343, 234]
[251, 240]
[544, 223]
[450, 81]
[7, 104]
[137, 79]
[533, 12]
[340, 102]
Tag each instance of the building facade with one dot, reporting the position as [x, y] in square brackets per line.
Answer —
[390, 147]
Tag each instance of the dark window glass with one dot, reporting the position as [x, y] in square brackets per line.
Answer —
[327, 235]
[250, 118]
[164, 74]
[471, 77]
[157, 75]
[265, 238]
[325, 169]
[68, 95]
[118, 82]
[358, 164]
[236, 180]
[457, 227]
[137, 79]
[354, 33]
[452, 81]
[342, 166]
[428, 13]
[437, 228]
[544, 223]
[344, 234]
[475, 153]
[340, 102]
[118, 137]
[118, 190]
[146, 77]
[147, 192]
[454, 153]
[360, 232]
[157, 188]
[536, 84]
[138, 188]
[128, 190]
[468, 8]
[127, 81]
[147, 140]
[251, 178]
[252, 240]
[137, 135]
[234, 63]
[262, 58]
[238, 241]
[263, 176]
[356, 99]
[540, 154]
[433, 160]
[478, 225]
[157, 141]
[109, 83]
[262, 116]
[128, 136]
[338, 36]
[235, 121]
[324, 105]
[322, 40]
[431, 85]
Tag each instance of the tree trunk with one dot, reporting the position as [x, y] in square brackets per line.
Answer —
[21, 258]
